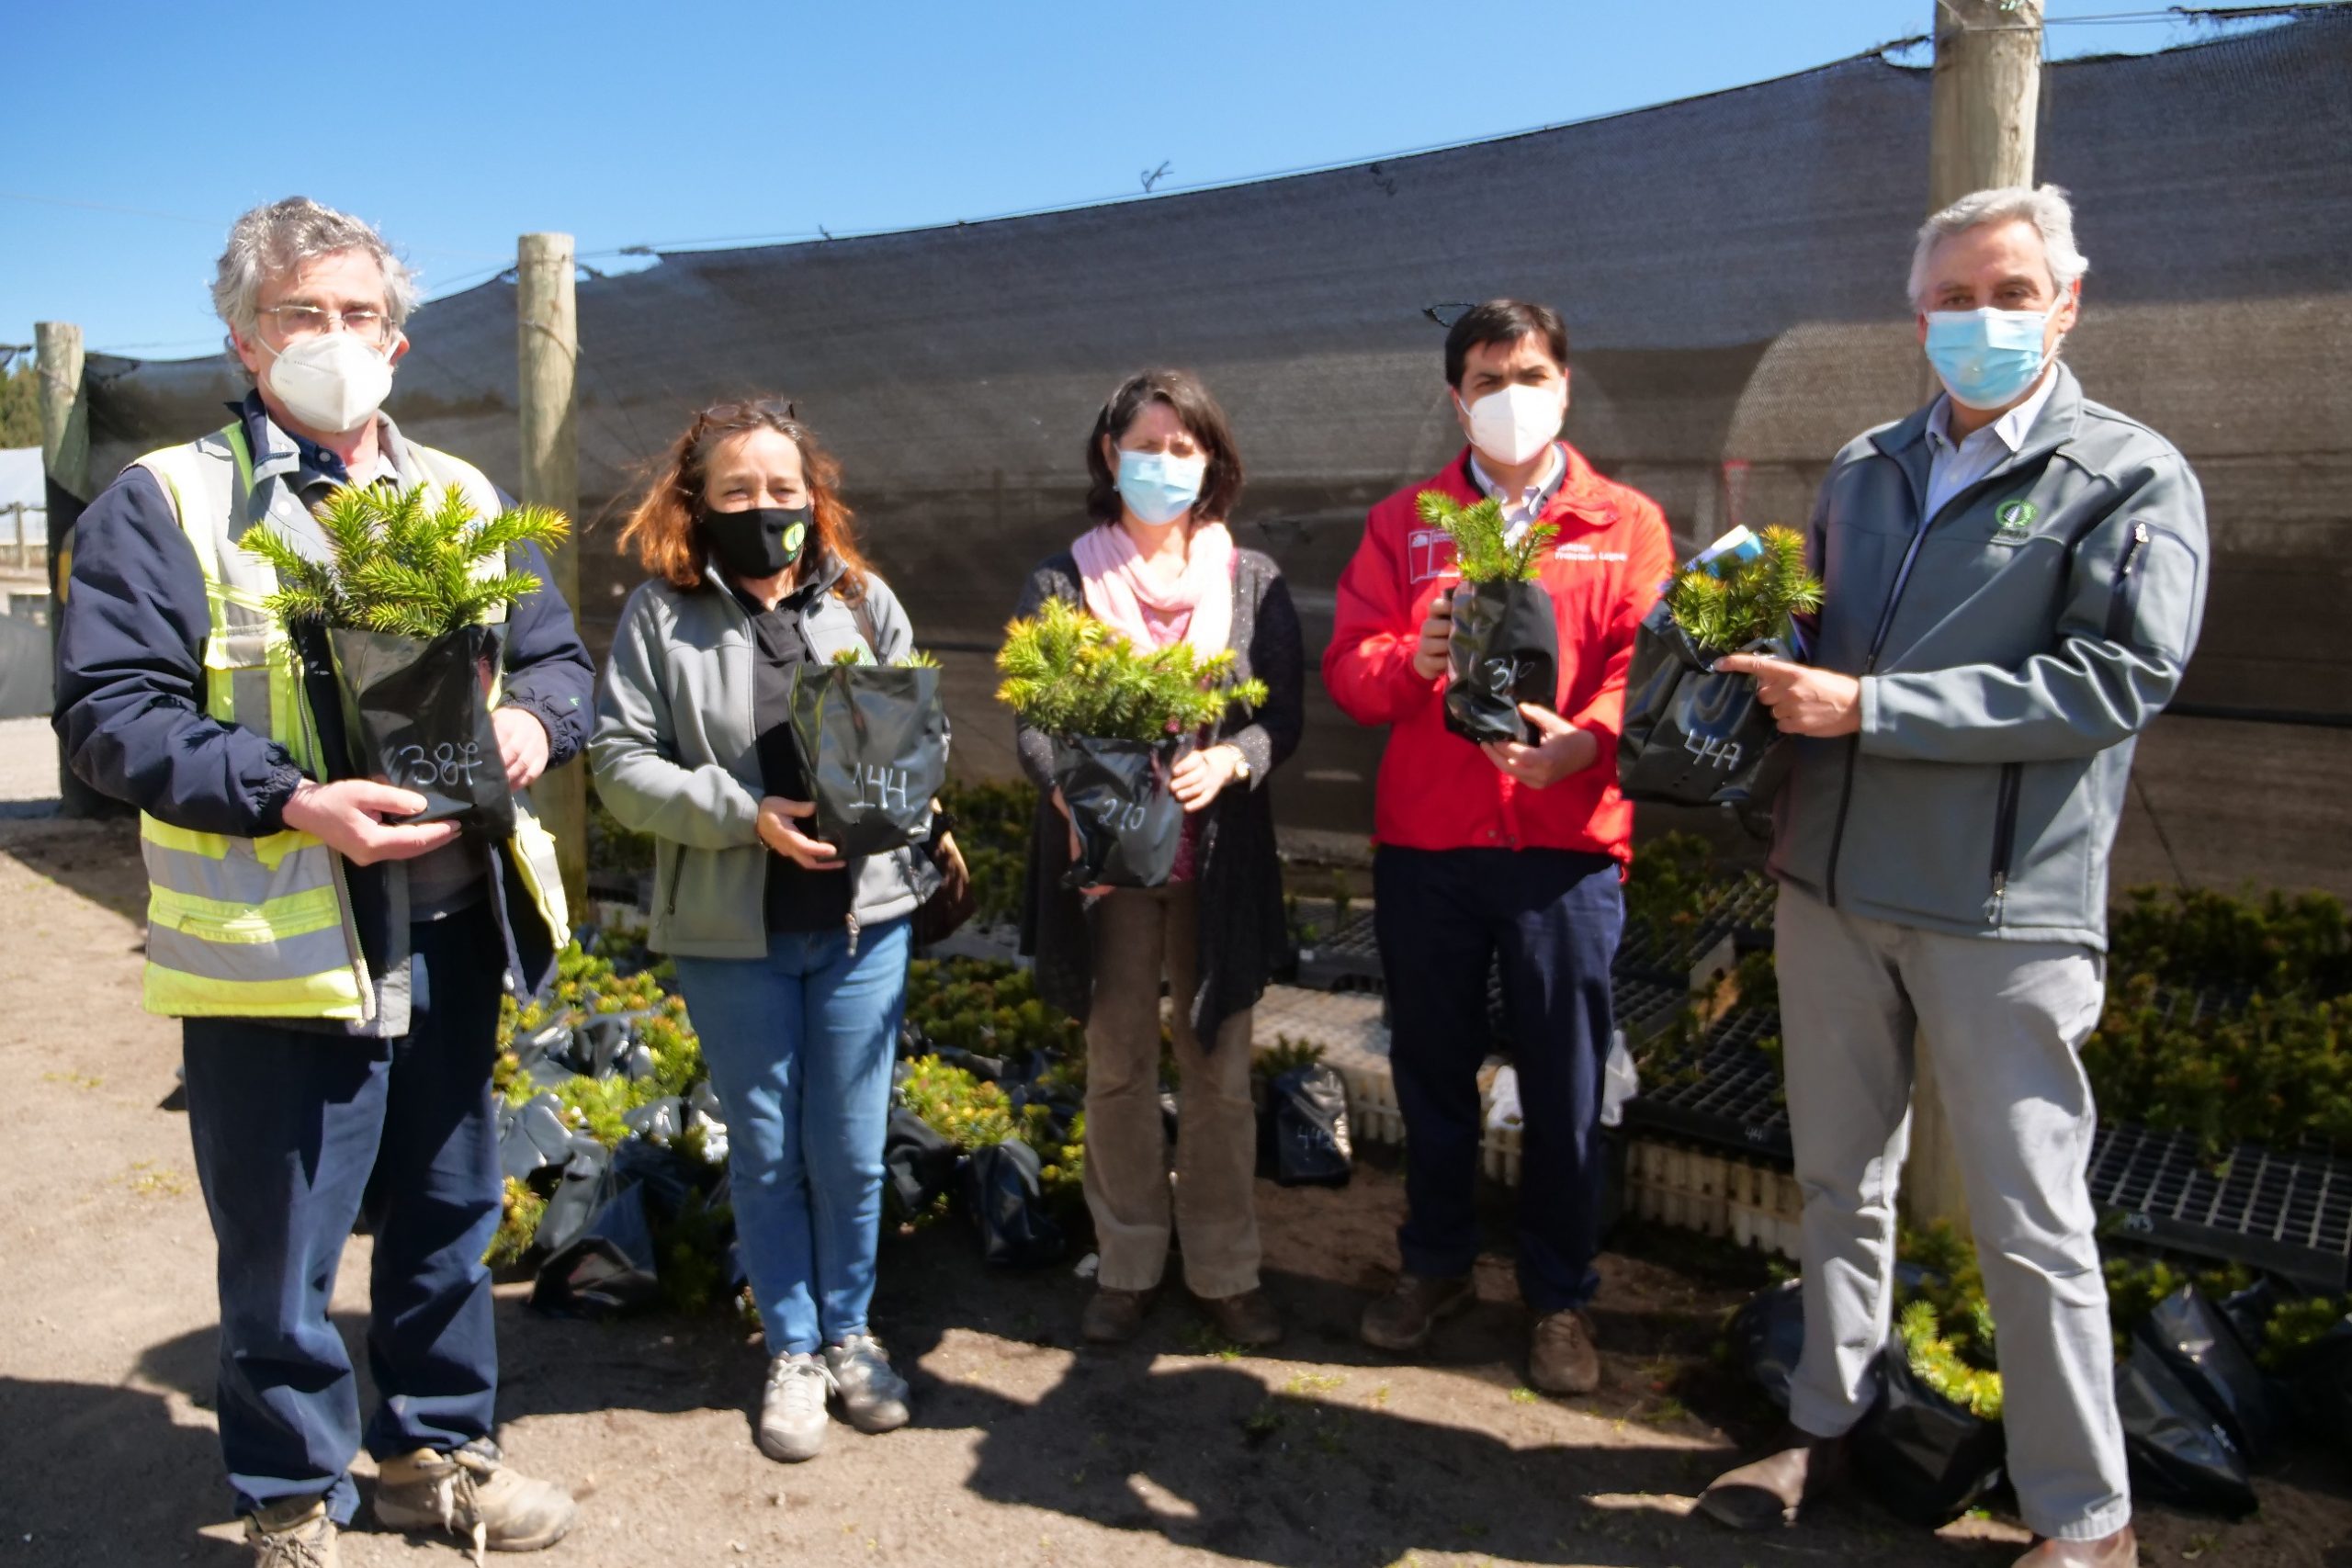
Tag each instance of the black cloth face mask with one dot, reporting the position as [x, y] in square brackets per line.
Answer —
[757, 543]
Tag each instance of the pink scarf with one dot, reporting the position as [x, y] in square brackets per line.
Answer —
[1151, 609]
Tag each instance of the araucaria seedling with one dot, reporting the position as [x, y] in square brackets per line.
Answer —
[1750, 599]
[403, 564]
[1485, 548]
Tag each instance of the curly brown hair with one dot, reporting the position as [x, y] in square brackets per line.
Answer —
[664, 532]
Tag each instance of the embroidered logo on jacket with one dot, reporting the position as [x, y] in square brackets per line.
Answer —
[2016, 519]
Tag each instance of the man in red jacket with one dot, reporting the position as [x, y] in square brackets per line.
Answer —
[1504, 847]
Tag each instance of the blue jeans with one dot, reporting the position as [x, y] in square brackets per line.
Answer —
[1553, 918]
[800, 1046]
[295, 1132]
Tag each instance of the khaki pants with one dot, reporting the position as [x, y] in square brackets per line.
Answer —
[1137, 931]
[2007, 1019]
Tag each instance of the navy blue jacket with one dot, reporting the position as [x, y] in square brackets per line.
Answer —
[130, 668]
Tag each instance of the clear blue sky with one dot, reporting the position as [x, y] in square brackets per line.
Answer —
[457, 127]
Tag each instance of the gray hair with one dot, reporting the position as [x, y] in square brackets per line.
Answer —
[2046, 207]
[282, 235]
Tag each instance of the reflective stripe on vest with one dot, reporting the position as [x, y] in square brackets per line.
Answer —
[262, 927]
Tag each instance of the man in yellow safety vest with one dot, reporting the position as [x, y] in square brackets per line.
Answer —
[338, 971]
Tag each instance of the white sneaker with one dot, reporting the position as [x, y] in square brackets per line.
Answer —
[792, 1416]
[874, 1397]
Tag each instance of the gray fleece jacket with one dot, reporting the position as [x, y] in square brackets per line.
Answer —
[676, 755]
[2011, 652]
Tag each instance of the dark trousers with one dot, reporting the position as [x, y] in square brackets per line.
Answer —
[1554, 916]
[295, 1132]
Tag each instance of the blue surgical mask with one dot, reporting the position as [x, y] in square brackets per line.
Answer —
[1986, 359]
[1160, 487]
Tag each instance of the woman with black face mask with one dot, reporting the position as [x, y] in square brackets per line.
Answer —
[792, 959]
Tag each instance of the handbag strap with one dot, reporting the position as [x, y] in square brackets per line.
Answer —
[863, 614]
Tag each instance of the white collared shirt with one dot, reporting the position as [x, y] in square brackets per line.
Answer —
[1953, 466]
[1520, 513]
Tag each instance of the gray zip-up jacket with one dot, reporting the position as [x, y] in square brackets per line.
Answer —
[2011, 652]
[676, 755]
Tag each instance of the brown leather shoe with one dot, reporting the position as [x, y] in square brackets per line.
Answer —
[1770, 1491]
[1402, 1319]
[1248, 1318]
[1113, 1317]
[1561, 1358]
[2120, 1550]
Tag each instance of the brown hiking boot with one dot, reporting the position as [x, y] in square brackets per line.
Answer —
[1401, 1320]
[294, 1533]
[1561, 1356]
[1113, 1317]
[1770, 1491]
[2120, 1550]
[472, 1493]
[1248, 1318]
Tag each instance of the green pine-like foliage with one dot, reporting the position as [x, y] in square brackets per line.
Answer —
[1069, 674]
[1751, 600]
[1482, 548]
[402, 563]
[913, 658]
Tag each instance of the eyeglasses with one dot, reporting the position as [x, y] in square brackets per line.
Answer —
[295, 323]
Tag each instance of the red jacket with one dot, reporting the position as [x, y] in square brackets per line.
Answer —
[1438, 791]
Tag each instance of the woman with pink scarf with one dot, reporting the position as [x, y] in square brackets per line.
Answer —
[1159, 565]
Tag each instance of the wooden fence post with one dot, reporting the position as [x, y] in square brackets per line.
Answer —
[548, 346]
[1982, 100]
[65, 462]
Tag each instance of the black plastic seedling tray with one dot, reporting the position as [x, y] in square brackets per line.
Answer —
[2287, 1213]
[1724, 1092]
[1741, 910]
[1347, 960]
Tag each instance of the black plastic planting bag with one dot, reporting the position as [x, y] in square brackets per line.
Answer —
[918, 1162]
[1307, 1120]
[1692, 737]
[1504, 650]
[1128, 824]
[2322, 1377]
[586, 1185]
[873, 744]
[2179, 1453]
[1768, 1335]
[606, 1270]
[417, 715]
[1003, 1189]
[2189, 1332]
[1924, 1457]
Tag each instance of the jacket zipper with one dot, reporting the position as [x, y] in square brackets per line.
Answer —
[2124, 608]
[2005, 836]
[1869, 666]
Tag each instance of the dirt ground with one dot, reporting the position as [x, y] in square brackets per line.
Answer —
[1024, 1449]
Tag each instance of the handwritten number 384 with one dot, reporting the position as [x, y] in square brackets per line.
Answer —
[446, 764]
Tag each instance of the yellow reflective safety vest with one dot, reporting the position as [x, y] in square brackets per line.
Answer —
[263, 927]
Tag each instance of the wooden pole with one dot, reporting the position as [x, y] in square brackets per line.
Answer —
[1983, 96]
[65, 461]
[547, 348]
[1982, 105]
[64, 420]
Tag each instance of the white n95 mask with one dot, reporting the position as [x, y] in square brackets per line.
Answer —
[332, 383]
[1516, 424]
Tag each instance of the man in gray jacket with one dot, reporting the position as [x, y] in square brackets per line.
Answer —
[2015, 576]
